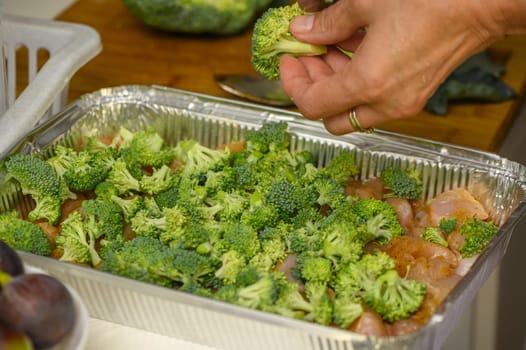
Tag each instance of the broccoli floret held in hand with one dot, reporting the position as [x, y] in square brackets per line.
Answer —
[271, 38]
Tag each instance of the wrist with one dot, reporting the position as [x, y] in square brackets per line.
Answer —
[509, 16]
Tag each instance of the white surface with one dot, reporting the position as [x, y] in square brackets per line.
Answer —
[106, 335]
[35, 8]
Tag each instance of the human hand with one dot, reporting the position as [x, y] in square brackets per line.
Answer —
[408, 49]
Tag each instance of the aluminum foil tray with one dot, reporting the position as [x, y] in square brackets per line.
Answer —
[499, 183]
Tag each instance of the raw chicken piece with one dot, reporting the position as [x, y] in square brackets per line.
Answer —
[372, 188]
[426, 259]
[457, 203]
[369, 323]
[404, 210]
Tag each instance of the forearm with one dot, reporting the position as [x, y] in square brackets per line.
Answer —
[498, 18]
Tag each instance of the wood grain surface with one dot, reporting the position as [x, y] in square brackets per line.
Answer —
[135, 54]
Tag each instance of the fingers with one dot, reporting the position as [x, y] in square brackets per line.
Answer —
[341, 124]
[331, 25]
[319, 86]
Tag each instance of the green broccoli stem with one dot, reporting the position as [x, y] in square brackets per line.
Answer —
[294, 47]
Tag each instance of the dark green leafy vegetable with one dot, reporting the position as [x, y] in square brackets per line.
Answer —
[477, 79]
[219, 17]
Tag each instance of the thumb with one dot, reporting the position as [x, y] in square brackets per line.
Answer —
[329, 26]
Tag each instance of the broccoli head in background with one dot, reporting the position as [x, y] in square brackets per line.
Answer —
[271, 39]
[218, 17]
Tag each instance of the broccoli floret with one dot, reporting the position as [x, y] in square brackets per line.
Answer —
[330, 192]
[129, 206]
[262, 262]
[271, 38]
[77, 240]
[275, 249]
[259, 213]
[38, 179]
[192, 235]
[315, 268]
[264, 292]
[62, 160]
[310, 219]
[394, 297]
[226, 293]
[275, 165]
[448, 225]
[291, 303]
[241, 238]
[300, 241]
[223, 180]
[122, 178]
[359, 276]
[160, 180]
[259, 217]
[477, 234]
[198, 159]
[271, 136]
[402, 182]
[434, 235]
[231, 264]
[48, 208]
[185, 267]
[322, 303]
[245, 175]
[108, 217]
[289, 198]
[347, 308]
[135, 258]
[144, 224]
[230, 205]
[247, 276]
[341, 245]
[380, 219]
[342, 167]
[86, 169]
[145, 148]
[23, 235]
[105, 190]
[167, 198]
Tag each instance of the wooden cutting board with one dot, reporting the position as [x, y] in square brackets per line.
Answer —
[135, 54]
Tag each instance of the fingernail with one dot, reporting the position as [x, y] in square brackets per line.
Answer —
[302, 24]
